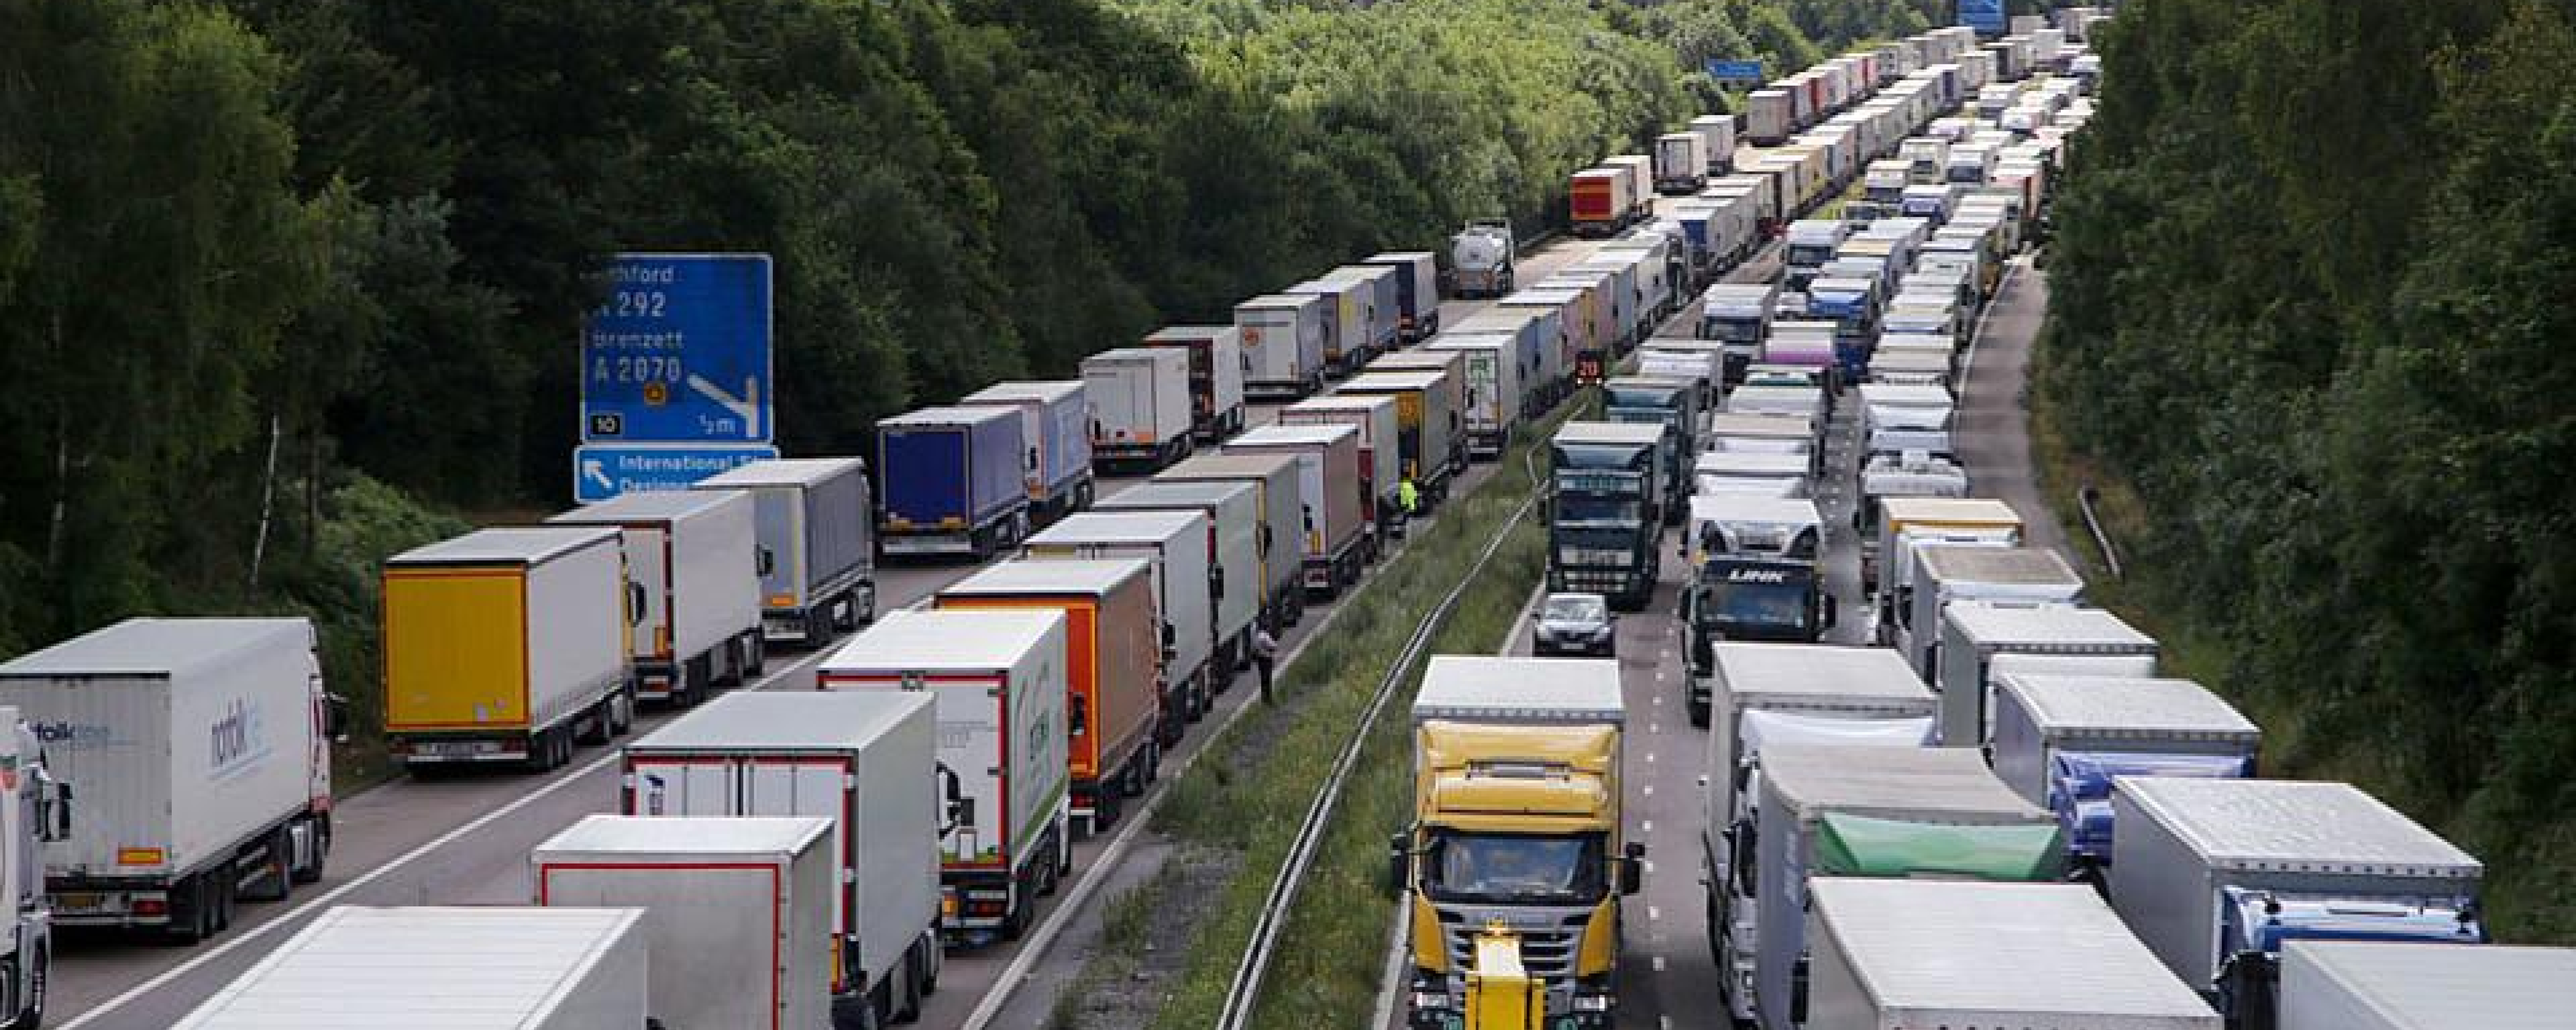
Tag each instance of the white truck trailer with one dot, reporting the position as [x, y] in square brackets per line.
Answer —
[866, 760]
[737, 911]
[693, 588]
[2060, 741]
[1140, 406]
[815, 527]
[1717, 134]
[999, 677]
[1175, 543]
[1899, 954]
[453, 968]
[2215, 875]
[1234, 539]
[1283, 337]
[199, 754]
[1981, 640]
[2374, 985]
[1942, 576]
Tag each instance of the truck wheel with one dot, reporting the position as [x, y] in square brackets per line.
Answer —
[220, 908]
[31, 1014]
[319, 828]
[279, 880]
[621, 710]
[756, 647]
[819, 626]
[596, 725]
[187, 899]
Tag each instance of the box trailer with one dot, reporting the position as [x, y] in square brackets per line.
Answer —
[1385, 305]
[1417, 291]
[502, 645]
[865, 760]
[1283, 337]
[1216, 376]
[1328, 483]
[1769, 117]
[1983, 639]
[1346, 320]
[1283, 518]
[1055, 441]
[999, 683]
[1803, 783]
[199, 752]
[737, 912]
[1430, 428]
[460, 968]
[814, 524]
[1140, 406]
[1717, 141]
[693, 575]
[1681, 163]
[1175, 544]
[1381, 452]
[953, 482]
[1946, 575]
[1641, 182]
[1900, 954]
[1601, 200]
[1538, 337]
[2372, 985]
[2061, 740]
[1498, 391]
[2214, 875]
[1113, 700]
[1234, 534]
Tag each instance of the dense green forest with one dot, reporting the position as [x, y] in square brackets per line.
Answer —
[2311, 296]
[288, 284]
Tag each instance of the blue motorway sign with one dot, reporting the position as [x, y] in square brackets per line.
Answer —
[604, 470]
[1985, 16]
[1735, 71]
[678, 351]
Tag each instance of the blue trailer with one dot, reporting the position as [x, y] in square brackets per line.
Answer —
[1055, 434]
[952, 482]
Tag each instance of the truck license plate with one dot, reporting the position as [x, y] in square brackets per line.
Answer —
[455, 748]
[78, 902]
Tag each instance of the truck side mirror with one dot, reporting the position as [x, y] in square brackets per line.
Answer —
[765, 562]
[1216, 582]
[1399, 861]
[1632, 867]
[1170, 638]
[634, 603]
[1832, 610]
[335, 716]
[53, 808]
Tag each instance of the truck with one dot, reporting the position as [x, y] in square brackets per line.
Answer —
[1781, 694]
[1113, 704]
[1717, 141]
[1888, 956]
[1681, 163]
[1748, 473]
[1381, 451]
[1812, 242]
[1700, 363]
[1853, 305]
[1602, 199]
[2376, 985]
[697, 545]
[1216, 376]
[864, 760]
[1641, 182]
[1332, 527]
[1909, 792]
[1775, 434]
[1234, 534]
[1141, 407]
[1283, 337]
[1481, 256]
[1498, 388]
[1055, 437]
[2061, 739]
[951, 482]
[1538, 337]
[1906, 418]
[1981, 640]
[2216, 875]
[1346, 321]
[1605, 480]
[1431, 426]
[37, 813]
[200, 750]
[522, 968]
[812, 521]
[1517, 821]
[1754, 573]
[1884, 518]
[1946, 575]
[1283, 519]
[1583, 338]
[1417, 292]
[1670, 405]
[1174, 544]
[1805, 344]
[998, 687]
[1385, 305]
[1768, 117]
[737, 912]
[503, 645]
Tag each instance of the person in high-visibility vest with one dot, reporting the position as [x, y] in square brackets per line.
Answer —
[1408, 497]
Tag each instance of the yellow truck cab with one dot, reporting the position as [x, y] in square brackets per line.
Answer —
[1517, 827]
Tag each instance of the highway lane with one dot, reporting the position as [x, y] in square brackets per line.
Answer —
[464, 840]
[1994, 417]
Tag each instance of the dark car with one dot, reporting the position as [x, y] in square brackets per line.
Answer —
[1575, 624]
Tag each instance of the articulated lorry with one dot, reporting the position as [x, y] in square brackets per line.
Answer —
[1672, 406]
[1332, 528]
[1055, 434]
[2216, 875]
[1431, 428]
[1783, 694]
[1276, 477]
[999, 687]
[1113, 711]
[1283, 337]
[865, 760]
[2060, 740]
[1885, 520]
[952, 482]
[1739, 316]
[35, 812]
[812, 521]
[1895, 955]
[505, 645]
[1981, 640]
[1174, 543]
[1381, 451]
[199, 750]
[1604, 518]
[1216, 376]
[1141, 407]
[1480, 258]
[1417, 292]
[1946, 575]
[1500, 386]
[693, 578]
[2378, 985]
[521, 968]
[737, 911]
[1234, 535]
[1517, 822]
[1754, 575]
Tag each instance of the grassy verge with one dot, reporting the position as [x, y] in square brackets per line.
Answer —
[1241, 806]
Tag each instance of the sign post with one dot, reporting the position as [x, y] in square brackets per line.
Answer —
[675, 373]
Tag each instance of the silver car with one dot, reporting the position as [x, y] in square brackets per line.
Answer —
[1575, 624]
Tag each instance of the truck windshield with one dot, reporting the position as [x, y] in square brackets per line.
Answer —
[1522, 868]
[1810, 255]
[1581, 510]
[1737, 603]
[1733, 329]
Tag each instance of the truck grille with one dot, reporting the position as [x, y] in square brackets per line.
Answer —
[1548, 954]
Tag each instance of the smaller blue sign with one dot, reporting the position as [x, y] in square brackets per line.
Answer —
[1735, 71]
[1985, 16]
[604, 470]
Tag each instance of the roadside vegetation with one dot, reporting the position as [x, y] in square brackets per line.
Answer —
[2310, 331]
